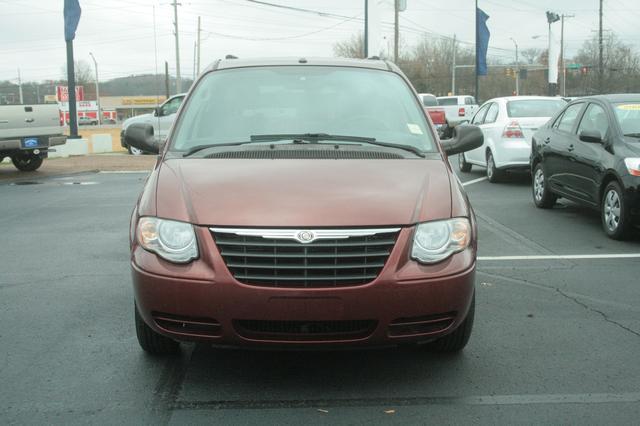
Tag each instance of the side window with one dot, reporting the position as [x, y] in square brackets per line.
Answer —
[568, 119]
[594, 119]
[492, 114]
[172, 106]
[479, 117]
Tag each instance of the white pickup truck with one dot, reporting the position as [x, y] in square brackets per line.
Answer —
[27, 132]
[458, 109]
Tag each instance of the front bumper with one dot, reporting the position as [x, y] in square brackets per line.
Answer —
[407, 302]
[631, 188]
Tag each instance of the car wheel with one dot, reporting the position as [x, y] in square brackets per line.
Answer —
[463, 165]
[613, 212]
[152, 342]
[27, 163]
[134, 151]
[456, 341]
[543, 198]
[493, 174]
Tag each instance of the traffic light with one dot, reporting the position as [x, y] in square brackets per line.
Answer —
[509, 72]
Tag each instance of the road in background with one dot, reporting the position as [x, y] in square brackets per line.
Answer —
[555, 341]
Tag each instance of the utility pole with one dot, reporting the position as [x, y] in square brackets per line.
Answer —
[366, 29]
[517, 68]
[166, 79]
[453, 69]
[175, 5]
[562, 65]
[476, 48]
[396, 29]
[95, 63]
[198, 55]
[20, 87]
[600, 59]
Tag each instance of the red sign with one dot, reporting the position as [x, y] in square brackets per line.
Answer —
[62, 93]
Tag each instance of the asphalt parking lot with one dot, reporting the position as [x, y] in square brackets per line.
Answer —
[556, 338]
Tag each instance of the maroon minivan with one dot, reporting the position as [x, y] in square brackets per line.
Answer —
[303, 203]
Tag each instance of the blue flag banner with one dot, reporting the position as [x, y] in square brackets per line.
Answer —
[71, 18]
[482, 41]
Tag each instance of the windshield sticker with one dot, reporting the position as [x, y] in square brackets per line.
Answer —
[414, 128]
[629, 107]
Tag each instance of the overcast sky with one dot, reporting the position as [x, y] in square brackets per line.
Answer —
[120, 33]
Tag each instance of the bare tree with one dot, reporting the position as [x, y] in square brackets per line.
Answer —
[83, 71]
[352, 48]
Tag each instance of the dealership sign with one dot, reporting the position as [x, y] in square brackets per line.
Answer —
[62, 93]
[81, 106]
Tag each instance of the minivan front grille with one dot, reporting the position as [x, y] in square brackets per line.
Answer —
[305, 330]
[334, 258]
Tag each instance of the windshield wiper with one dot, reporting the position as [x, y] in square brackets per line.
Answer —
[316, 137]
[633, 135]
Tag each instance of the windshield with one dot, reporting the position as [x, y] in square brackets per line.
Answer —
[534, 107]
[232, 105]
[628, 116]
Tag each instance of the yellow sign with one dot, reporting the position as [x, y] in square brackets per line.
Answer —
[139, 101]
[629, 107]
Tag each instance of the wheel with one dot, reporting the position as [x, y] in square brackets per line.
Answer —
[27, 162]
[456, 341]
[613, 212]
[152, 342]
[542, 195]
[134, 151]
[463, 165]
[493, 174]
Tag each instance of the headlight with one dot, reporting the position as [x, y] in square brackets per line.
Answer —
[171, 240]
[633, 165]
[436, 241]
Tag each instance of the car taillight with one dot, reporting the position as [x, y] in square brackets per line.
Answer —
[461, 112]
[513, 131]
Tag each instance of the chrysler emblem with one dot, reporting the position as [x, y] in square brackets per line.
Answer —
[305, 236]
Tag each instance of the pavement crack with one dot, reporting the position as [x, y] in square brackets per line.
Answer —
[592, 309]
[565, 295]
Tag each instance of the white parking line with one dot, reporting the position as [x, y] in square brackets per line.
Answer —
[123, 172]
[471, 182]
[564, 257]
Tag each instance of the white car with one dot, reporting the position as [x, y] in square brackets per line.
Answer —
[508, 125]
[161, 120]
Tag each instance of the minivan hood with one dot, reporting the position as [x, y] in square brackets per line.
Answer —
[303, 193]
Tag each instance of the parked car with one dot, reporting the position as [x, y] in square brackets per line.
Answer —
[590, 153]
[508, 125]
[458, 109]
[436, 113]
[27, 132]
[84, 121]
[161, 120]
[272, 221]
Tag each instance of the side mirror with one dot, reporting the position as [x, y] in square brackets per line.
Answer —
[590, 136]
[140, 135]
[466, 137]
[156, 112]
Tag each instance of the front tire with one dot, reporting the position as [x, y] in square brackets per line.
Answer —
[493, 174]
[463, 165]
[456, 341]
[613, 212]
[543, 198]
[134, 151]
[152, 342]
[27, 163]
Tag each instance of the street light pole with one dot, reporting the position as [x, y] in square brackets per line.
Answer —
[517, 68]
[95, 63]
